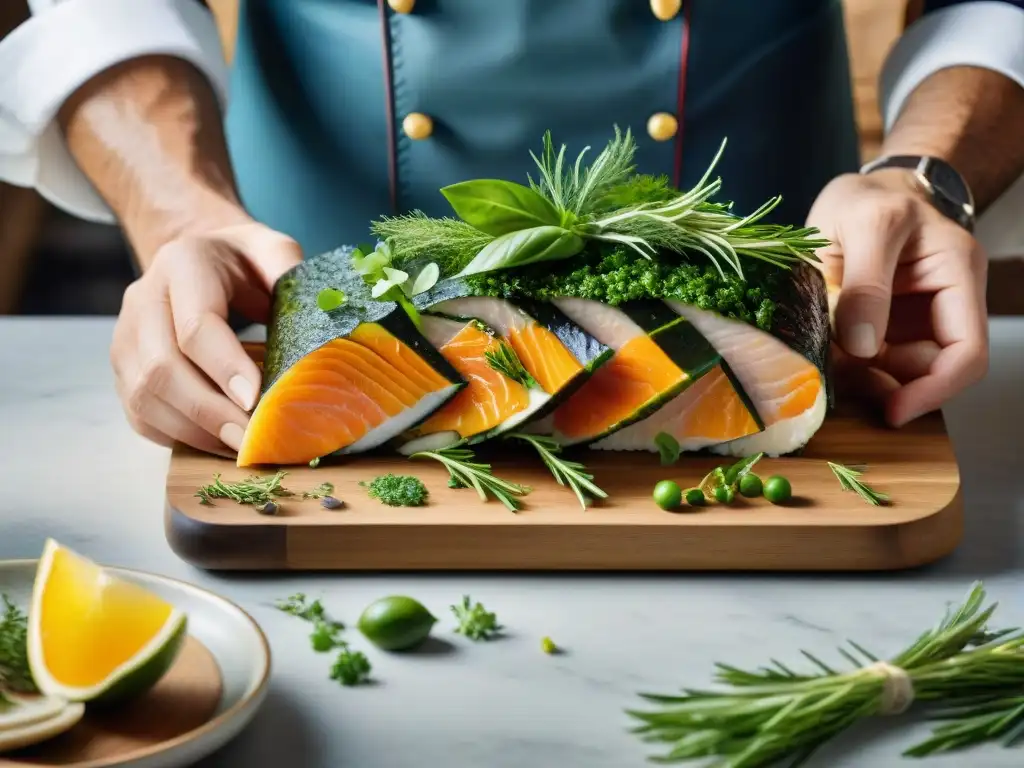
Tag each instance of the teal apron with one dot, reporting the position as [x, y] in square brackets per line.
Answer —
[320, 90]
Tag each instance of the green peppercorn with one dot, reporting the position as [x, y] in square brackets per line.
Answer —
[751, 485]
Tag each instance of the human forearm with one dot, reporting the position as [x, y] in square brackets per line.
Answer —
[970, 117]
[148, 134]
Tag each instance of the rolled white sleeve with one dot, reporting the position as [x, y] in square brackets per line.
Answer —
[986, 34]
[61, 47]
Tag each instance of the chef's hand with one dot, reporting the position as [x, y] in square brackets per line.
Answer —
[182, 374]
[911, 319]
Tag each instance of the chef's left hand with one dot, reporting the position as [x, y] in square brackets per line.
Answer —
[911, 319]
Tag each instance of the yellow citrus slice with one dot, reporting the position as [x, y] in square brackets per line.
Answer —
[93, 636]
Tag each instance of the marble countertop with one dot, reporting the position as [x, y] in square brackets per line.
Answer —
[503, 704]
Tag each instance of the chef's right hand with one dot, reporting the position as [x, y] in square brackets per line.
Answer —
[182, 374]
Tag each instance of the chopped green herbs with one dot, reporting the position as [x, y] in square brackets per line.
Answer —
[464, 472]
[15, 674]
[351, 668]
[475, 621]
[668, 448]
[330, 299]
[505, 361]
[568, 473]
[397, 490]
[849, 479]
[324, 489]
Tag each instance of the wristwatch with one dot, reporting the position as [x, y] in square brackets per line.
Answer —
[944, 186]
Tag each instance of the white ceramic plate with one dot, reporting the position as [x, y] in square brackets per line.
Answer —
[229, 633]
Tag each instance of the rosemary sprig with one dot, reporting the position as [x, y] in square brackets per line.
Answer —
[463, 470]
[775, 714]
[849, 478]
[567, 473]
[256, 489]
[691, 223]
[969, 723]
[505, 361]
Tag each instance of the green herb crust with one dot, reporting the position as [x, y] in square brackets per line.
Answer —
[398, 490]
[615, 275]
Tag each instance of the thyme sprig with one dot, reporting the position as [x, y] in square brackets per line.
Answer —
[567, 473]
[255, 489]
[468, 473]
[775, 714]
[849, 478]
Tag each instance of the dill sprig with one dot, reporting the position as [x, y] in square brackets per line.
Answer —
[256, 489]
[15, 674]
[578, 190]
[463, 470]
[775, 714]
[849, 478]
[450, 243]
[505, 361]
[567, 473]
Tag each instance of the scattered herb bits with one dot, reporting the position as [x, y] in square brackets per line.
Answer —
[548, 646]
[302, 607]
[695, 497]
[326, 636]
[751, 486]
[667, 494]
[351, 668]
[314, 463]
[777, 489]
[475, 621]
[324, 489]
[398, 490]
[668, 448]
[256, 489]
[396, 623]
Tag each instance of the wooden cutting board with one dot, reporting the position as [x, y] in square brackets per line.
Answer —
[823, 528]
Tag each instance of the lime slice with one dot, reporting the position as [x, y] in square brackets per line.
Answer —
[92, 636]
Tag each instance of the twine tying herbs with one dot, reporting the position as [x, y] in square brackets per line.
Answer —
[897, 688]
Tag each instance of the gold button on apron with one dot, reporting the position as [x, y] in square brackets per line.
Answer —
[406, 6]
[666, 10]
[417, 126]
[662, 126]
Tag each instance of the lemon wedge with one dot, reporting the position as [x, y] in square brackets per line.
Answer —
[93, 636]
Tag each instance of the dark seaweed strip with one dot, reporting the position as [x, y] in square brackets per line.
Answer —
[587, 350]
[801, 319]
[742, 393]
[650, 314]
[299, 327]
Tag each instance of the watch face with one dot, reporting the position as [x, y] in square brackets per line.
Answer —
[949, 185]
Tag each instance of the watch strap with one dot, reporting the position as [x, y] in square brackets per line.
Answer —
[946, 188]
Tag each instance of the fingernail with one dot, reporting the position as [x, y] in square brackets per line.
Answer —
[244, 392]
[231, 435]
[860, 340]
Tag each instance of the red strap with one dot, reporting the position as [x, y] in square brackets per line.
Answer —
[389, 105]
[681, 102]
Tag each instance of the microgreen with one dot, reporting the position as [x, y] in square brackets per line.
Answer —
[475, 621]
[568, 473]
[849, 479]
[668, 448]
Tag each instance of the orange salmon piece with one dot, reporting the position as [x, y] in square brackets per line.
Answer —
[544, 356]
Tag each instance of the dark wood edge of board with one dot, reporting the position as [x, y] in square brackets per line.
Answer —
[220, 547]
[889, 546]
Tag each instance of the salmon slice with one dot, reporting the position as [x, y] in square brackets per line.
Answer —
[489, 398]
[636, 378]
[707, 413]
[786, 389]
[544, 356]
[342, 397]
[377, 338]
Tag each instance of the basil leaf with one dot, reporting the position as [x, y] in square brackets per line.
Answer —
[668, 447]
[526, 246]
[740, 468]
[499, 207]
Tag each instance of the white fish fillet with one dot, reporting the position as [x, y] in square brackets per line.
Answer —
[768, 371]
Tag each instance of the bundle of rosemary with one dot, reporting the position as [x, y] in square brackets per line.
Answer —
[775, 716]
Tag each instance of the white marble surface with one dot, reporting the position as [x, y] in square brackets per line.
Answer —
[71, 468]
